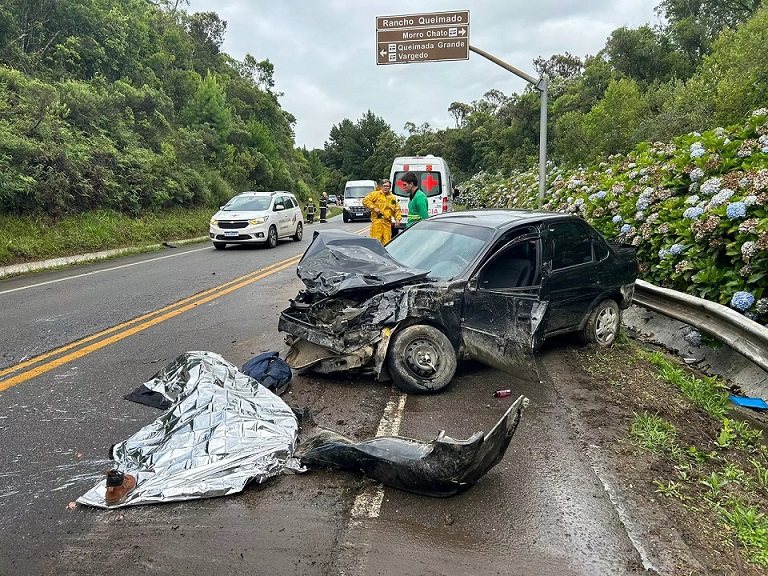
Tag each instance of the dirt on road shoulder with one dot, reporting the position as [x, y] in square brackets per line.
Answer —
[673, 499]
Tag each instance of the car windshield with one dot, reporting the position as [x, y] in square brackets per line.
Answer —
[443, 248]
[357, 191]
[248, 203]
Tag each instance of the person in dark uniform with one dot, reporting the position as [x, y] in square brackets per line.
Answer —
[311, 211]
[323, 206]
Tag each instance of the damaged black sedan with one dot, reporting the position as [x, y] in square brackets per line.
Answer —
[488, 285]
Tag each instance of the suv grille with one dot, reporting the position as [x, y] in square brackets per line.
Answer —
[232, 224]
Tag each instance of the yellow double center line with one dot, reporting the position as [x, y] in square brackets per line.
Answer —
[55, 358]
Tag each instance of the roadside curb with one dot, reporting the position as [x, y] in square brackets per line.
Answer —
[15, 269]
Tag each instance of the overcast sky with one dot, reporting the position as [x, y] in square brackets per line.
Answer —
[324, 53]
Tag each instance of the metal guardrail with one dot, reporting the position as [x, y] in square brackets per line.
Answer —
[746, 337]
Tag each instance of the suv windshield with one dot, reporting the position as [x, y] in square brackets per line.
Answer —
[357, 191]
[429, 183]
[443, 248]
[249, 203]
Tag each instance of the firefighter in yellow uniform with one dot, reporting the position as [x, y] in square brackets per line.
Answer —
[384, 209]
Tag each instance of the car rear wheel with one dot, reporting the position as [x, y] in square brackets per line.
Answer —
[272, 237]
[219, 245]
[299, 232]
[603, 325]
[421, 359]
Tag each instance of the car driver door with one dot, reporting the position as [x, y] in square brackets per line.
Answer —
[502, 317]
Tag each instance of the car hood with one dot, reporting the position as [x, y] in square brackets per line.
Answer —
[240, 214]
[339, 261]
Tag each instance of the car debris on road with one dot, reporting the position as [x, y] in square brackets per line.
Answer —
[223, 430]
[443, 467]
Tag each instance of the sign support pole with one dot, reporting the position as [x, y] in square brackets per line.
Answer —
[540, 84]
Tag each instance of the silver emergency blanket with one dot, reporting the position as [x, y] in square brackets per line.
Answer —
[223, 431]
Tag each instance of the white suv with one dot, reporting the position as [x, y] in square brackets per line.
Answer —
[256, 217]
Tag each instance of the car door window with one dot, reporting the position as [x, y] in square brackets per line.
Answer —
[571, 245]
[514, 266]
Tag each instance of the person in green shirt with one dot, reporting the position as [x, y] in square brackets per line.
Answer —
[418, 206]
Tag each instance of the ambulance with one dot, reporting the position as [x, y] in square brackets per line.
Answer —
[435, 181]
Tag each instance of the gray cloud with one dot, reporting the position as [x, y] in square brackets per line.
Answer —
[324, 53]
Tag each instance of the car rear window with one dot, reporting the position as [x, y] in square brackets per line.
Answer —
[429, 182]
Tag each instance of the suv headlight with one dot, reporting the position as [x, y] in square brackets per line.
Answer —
[214, 222]
[259, 220]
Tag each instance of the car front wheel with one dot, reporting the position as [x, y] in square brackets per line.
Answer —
[219, 245]
[603, 325]
[345, 218]
[299, 232]
[272, 237]
[421, 359]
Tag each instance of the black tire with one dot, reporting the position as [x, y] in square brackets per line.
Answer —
[345, 218]
[299, 232]
[219, 245]
[421, 359]
[603, 325]
[272, 237]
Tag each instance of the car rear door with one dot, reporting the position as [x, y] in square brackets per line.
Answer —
[572, 281]
[502, 317]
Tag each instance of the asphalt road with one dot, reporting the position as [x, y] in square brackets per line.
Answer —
[75, 340]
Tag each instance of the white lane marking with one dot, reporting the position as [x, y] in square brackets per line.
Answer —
[104, 270]
[368, 502]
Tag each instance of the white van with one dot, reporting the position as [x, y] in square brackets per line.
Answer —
[354, 192]
[435, 181]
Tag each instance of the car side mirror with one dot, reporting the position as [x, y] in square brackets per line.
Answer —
[279, 207]
[472, 284]
[545, 269]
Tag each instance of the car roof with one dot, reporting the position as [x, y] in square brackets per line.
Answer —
[499, 219]
[258, 193]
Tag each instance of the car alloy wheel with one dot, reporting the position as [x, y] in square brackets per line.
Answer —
[603, 325]
[299, 232]
[272, 237]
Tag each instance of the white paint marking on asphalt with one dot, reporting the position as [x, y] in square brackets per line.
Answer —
[105, 270]
[368, 502]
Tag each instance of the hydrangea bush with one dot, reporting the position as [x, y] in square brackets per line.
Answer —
[695, 208]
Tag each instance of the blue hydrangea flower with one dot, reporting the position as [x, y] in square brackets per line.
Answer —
[764, 149]
[736, 210]
[642, 203]
[692, 200]
[711, 186]
[616, 219]
[742, 300]
[721, 197]
[601, 194]
[693, 212]
[625, 228]
[697, 152]
[696, 174]
[663, 252]
[676, 249]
